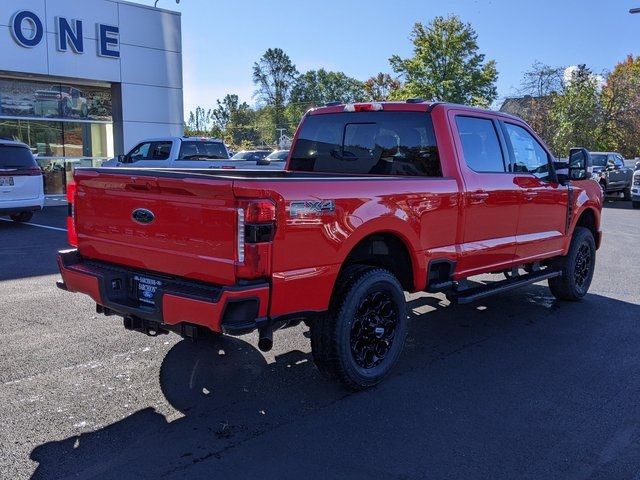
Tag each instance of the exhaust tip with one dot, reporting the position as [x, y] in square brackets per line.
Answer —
[265, 339]
[265, 344]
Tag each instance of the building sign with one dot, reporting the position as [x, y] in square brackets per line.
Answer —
[27, 30]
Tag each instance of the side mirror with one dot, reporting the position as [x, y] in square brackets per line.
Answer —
[580, 166]
[637, 166]
[123, 159]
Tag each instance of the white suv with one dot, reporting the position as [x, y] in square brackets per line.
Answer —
[21, 185]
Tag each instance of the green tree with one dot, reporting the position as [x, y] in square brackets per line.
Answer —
[199, 122]
[446, 65]
[621, 108]
[274, 75]
[576, 113]
[317, 87]
[380, 87]
[540, 88]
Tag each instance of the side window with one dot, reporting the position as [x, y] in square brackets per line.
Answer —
[618, 162]
[480, 144]
[160, 150]
[151, 151]
[140, 152]
[528, 154]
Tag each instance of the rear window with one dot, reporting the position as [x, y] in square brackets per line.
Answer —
[202, 151]
[369, 143]
[16, 157]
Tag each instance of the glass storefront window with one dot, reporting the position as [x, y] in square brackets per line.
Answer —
[61, 146]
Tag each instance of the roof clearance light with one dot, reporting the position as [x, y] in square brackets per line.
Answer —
[363, 107]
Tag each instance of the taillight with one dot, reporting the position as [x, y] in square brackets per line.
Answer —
[256, 229]
[27, 172]
[260, 211]
[72, 234]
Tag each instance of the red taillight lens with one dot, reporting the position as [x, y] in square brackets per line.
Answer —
[72, 234]
[260, 211]
[256, 229]
[363, 107]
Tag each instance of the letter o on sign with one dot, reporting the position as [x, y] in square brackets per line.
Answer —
[31, 38]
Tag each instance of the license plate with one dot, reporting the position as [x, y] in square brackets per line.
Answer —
[147, 288]
[6, 181]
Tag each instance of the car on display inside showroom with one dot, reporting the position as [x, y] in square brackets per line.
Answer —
[376, 199]
[61, 101]
[21, 185]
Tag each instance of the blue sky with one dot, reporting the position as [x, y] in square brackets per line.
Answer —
[222, 39]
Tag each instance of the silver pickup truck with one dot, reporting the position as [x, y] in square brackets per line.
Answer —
[187, 152]
[174, 152]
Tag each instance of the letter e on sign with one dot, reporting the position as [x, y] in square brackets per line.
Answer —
[108, 41]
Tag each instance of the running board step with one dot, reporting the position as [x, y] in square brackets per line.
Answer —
[476, 293]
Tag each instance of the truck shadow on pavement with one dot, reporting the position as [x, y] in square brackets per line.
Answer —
[482, 380]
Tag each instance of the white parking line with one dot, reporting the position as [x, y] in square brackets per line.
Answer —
[37, 225]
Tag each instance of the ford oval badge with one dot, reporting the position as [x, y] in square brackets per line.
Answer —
[143, 216]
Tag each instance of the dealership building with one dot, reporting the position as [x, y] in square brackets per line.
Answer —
[83, 81]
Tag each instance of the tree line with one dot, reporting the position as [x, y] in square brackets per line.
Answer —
[567, 107]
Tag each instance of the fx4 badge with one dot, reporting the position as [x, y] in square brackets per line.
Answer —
[297, 208]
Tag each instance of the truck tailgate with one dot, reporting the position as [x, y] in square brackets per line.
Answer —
[170, 225]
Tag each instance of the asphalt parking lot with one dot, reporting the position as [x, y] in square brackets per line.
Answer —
[519, 386]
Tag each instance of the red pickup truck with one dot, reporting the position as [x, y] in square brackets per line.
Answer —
[376, 199]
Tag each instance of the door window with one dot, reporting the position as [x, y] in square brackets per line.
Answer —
[480, 144]
[528, 154]
[151, 151]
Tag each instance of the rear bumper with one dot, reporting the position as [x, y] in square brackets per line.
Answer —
[26, 208]
[233, 309]
[8, 207]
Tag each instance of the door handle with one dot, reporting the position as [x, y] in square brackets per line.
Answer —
[479, 196]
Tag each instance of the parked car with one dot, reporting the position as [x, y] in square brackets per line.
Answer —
[251, 155]
[635, 188]
[61, 100]
[376, 199]
[175, 152]
[611, 172]
[21, 185]
[275, 157]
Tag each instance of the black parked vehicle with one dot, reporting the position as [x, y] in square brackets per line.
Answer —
[610, 171]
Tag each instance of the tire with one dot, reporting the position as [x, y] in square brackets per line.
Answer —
[636, 205]
[361, 337]
[577, 267]
[627, 193]
[21, 217]
[603, 187]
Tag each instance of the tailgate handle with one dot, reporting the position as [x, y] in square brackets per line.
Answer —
[143, 184]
